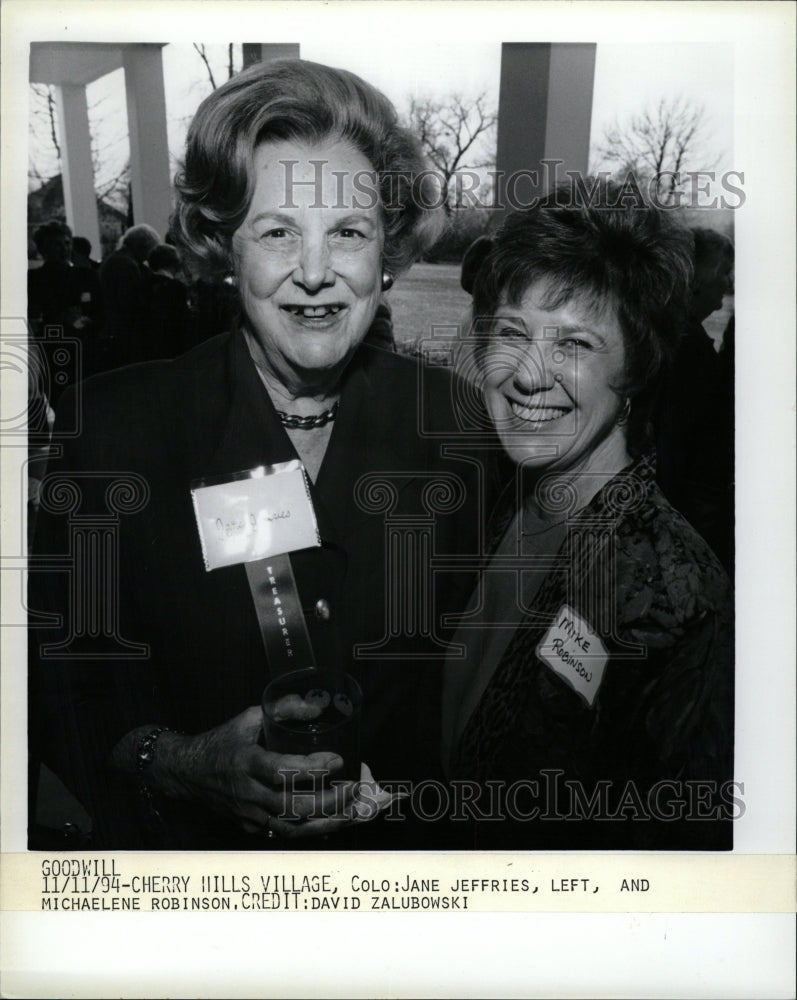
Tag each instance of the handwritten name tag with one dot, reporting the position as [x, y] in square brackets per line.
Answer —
[573, 651]
[259, 513]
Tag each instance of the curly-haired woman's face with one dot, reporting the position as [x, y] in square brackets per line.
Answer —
[308, 257]
[550, 378]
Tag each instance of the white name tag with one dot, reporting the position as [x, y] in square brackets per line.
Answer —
[572, 650]
[259, 513]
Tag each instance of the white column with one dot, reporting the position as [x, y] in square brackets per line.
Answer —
[77, 171]
[544, 114]
[149, 149]
[569, 117]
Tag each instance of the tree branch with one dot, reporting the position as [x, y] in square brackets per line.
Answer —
[450, 129]
[661, 140]
[203, 56]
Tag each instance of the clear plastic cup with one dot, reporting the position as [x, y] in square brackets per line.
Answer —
[314, 710]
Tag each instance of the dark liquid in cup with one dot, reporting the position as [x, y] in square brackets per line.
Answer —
[313, 716]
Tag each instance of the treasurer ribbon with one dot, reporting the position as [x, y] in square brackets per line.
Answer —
[279, 614]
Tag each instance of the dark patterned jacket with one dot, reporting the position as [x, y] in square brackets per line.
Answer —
[628, 743]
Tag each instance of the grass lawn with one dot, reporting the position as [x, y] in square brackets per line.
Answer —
[717, 321]
[429, 296]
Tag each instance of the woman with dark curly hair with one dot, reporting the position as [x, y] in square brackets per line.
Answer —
[594, 703]
[301, 187]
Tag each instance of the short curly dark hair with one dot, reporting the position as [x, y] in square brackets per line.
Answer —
[594, 241]
[293, 99]
[50, 229]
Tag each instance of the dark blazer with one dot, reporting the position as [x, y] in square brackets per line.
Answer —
[157, 639]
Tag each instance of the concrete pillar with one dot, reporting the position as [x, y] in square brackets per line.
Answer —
[257, 52]
[149, 149]
[77, 170]
[544, 114]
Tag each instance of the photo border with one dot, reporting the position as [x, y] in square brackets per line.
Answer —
[523, 954]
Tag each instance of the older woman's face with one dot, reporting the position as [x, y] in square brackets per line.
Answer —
[308, 257]
[548, 382]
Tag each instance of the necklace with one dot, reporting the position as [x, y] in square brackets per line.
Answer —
[292, 420]
[308, 423]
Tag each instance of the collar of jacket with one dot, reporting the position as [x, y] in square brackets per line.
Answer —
[623, 493]
[373, 431]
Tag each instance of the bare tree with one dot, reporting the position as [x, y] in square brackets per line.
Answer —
[46, 98]
[204, 55]
[111, 173]
[456, 133]
[658, 145]
[44, 150]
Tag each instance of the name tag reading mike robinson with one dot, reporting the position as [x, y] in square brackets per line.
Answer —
[255, 514]
[576, 653]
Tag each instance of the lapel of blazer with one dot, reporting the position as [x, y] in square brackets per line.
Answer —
[374, 433]
[251, 433]
[232, 425]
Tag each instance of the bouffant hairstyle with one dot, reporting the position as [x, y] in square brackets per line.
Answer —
[598, 243]
[292, 99]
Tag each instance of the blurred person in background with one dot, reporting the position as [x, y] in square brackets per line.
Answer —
[81, 253]
[123, 280]
[165, 330]
[694, 416]
[63, 302]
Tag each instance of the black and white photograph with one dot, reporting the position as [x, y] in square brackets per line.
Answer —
[392, 519]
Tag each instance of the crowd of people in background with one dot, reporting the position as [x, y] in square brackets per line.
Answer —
[138, 304]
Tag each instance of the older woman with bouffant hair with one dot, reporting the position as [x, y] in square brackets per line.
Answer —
[299, 185]
[301, 101]
[597, 687]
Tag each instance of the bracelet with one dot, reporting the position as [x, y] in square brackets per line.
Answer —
[145, 752]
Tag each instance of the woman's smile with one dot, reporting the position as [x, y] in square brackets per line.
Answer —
[551, 379]
[315, 317]
[538, 413]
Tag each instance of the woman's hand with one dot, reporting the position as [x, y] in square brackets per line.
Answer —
[230, 771]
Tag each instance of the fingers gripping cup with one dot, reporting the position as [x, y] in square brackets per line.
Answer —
[314, 710]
